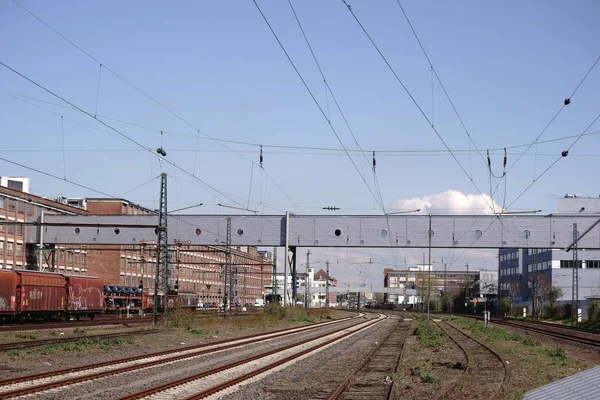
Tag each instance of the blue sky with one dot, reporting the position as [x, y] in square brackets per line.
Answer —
[507, 67]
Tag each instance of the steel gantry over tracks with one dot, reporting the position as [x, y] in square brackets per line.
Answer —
[401, 231]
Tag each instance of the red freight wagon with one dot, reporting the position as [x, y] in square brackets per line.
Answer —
[40, 293]
[85, 295]
[8, 293]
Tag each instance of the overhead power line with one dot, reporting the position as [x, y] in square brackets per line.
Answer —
[315, 100]
[380, 152]
[415, 102]
[145, 94]
[564, 154]
[206, 185]
[439, 80]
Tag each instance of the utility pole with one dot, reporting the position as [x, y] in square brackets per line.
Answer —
[327, 286]
[430, 234]
[161, 271]
[228, 261]
[307, 282]
[575, 297]
[274, 277]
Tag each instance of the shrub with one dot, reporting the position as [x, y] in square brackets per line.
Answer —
[504, 306]
[592, 310]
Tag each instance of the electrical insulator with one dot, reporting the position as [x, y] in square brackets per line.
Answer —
[261, 156]
[565, 153]
[374, 162]
[567, 101]
[489, 160]
[505, 157]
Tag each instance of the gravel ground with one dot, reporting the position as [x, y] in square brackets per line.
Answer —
[34, 361]
[316, 376]
[117, 386]
[444, 364]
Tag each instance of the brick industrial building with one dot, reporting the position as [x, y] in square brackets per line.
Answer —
[197, 269]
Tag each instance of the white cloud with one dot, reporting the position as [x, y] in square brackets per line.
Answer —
[449, 202]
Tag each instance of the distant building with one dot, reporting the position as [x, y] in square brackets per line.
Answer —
[518, 267]
[195, 268]
[20, 183]
[415, 279]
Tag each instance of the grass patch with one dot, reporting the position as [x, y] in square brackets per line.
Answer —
[26, 336]
[424, 373]
[272, 315]
[558, 355]
[14, 353]
[80, 345]
[429, 336]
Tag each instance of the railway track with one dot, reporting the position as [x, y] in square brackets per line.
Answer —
[63, 378]
[36, 343]
[555, 333]
[216, 380]
[367, 381]
[77, 324]
[481, 376]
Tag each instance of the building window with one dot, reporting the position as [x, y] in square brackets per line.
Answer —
[61, 256]
[11, 205]
[29, 209]
[16, 185]
[19, 252]
[593, 264]
[11, 228]
[20, 229]
[1, 249]
[69, 257]
[9, 249]
[1, 202]
[21, 207]
[2, 220]
[83, 260]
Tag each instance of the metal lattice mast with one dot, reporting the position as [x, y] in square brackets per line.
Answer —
[162, 253]
[274, 277]
[575, 296]
[228, 261]
[327, 286]
[307, 282]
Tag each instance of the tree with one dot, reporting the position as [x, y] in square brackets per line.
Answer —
[542, 291]
[513, 291]
[379, 298]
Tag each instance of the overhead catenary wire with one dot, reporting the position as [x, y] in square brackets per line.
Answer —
[563, 155]
[380, 152]
[62, 132]
[566, 102]
[434, 72]
[206, 185]
[145, 94]
[415, 102]
[313, 98]
[327, 87]
[141, 185]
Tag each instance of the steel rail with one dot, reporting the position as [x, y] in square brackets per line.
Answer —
[506, 368]
[213, 371]
[222, 345]
[565, 336]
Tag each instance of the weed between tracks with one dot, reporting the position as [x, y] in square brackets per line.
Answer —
[82, 344]
[272, 315]
[533, 362]
[429, 335]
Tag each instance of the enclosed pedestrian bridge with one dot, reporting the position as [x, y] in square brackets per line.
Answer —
[401, 231]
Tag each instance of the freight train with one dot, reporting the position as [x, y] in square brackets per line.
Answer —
[51, 296]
